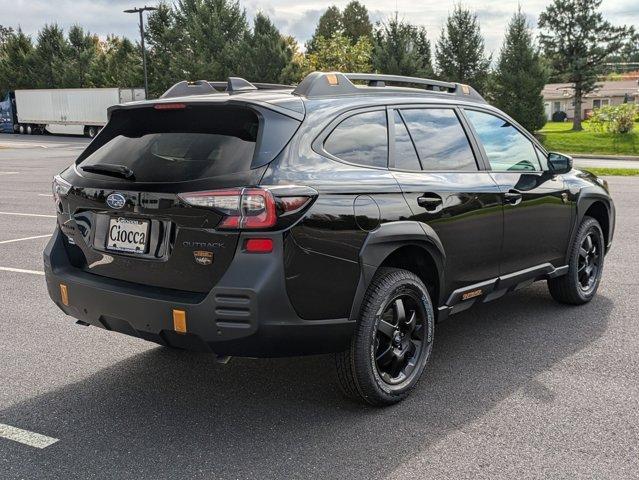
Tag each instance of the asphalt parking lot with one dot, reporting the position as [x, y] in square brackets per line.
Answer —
[522, 387]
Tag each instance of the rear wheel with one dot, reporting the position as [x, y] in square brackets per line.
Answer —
[392, 341]
[580, 284]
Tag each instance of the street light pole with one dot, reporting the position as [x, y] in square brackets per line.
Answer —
[141, 11]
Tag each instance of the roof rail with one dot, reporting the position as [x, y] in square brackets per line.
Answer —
[232, 85]
[320, 84]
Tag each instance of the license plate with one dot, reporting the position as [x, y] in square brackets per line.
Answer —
[128, 235]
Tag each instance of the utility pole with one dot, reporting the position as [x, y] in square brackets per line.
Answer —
[141, 11]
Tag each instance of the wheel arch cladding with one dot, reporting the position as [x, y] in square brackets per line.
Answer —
[409, 245]
[600, 212]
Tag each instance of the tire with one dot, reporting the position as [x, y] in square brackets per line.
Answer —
[21, 129]
[586, 263]
[371, 370]
[29, 130]
[91, 132]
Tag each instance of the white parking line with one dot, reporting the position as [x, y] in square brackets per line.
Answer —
[21, 270]
[28, 214]
[25, 238]
[9, 173]
[45, 194]
[25, 436]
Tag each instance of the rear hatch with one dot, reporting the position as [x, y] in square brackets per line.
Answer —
[121, 212]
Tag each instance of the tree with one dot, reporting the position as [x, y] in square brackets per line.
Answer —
[122, 66]
[266, 52]
[165, 46]
[576, 40]
[460, 50]
[355, 21]
[5, 33]
[293, 72]
[328, 25]
[80, 59]
[520, 76]
[337, 53]
[401, 49]
[49, 58]
[16, 62]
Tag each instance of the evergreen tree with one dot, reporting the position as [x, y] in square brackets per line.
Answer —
[80, 59]
[520, 76]
[50, 58]
[328, 25]
[401, 49]
[266, 52]
[356, 22]
[293, 72]
[211, 33]
[576, 39]
[460, 50]
[165, 47]
[16, 62]
[122, 65]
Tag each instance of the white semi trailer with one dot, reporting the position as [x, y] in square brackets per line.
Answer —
[68, 110]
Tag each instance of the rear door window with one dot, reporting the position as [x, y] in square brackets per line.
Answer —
[180, 145]
[405, 154]
[361, 139]
[440, 139]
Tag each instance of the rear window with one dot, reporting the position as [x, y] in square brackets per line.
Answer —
[177, 145]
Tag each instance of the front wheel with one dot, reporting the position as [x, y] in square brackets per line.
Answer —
[392, 342]
[586, 263]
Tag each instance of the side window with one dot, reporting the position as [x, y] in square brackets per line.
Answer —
[361, 139]
[506, 147]
[440, 139]
[405, 154]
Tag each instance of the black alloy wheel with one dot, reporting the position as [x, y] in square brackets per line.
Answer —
[586, 262]
[589, 260]
[400, 339]
[392, 342]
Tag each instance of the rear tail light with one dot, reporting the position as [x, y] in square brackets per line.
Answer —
[245, 208]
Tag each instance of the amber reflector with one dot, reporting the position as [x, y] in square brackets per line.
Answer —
[179, 321]
[64, 294]
[331, 78]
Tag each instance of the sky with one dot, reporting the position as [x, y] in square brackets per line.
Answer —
[293, 17]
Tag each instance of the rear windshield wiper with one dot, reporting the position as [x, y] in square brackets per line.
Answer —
[111, 169]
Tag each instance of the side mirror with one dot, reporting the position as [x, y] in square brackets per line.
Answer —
[559, 163]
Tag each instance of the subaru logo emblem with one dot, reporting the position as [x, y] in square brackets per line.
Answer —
[116, 200]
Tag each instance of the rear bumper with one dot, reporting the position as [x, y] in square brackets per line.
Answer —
[248, 313]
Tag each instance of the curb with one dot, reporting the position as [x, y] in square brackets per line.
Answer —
[587, 156]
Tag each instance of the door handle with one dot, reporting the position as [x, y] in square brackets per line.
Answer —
[430, 203]
[512, 197]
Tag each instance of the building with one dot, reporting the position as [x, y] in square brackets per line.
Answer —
[560, 97]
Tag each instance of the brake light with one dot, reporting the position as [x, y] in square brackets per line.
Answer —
[244, 208]
[169, 106]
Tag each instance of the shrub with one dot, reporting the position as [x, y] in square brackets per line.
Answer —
[614, 118]
[559, 116]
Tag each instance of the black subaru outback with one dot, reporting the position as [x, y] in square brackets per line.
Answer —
[347, 215]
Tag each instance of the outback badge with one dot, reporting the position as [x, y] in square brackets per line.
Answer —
[203, 257]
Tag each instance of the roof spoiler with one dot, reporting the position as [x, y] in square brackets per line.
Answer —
[231, 85]
[320, 84]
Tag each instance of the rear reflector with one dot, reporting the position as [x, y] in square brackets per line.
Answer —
[169, 106]
[179, 321]
[258, 245]
[64, 294]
